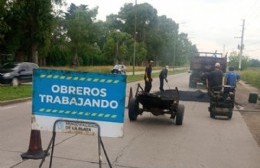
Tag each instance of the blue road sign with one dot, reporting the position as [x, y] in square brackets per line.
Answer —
[79, 95]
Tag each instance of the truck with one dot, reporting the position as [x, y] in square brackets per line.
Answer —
[203, 63]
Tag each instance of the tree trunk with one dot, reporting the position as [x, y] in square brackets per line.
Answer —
[34, 53]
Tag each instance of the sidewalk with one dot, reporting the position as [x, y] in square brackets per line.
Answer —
[154, 71]
[249, 111]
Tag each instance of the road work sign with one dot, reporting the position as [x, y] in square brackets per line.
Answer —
[93, 97]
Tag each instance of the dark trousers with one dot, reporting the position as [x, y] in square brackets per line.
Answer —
[147, 86]
[161, 84]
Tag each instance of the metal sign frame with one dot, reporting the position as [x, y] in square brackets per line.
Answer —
[52, 141]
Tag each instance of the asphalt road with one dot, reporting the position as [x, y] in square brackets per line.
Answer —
[149, 142]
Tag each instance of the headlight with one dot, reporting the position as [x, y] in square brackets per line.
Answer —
[7, 75]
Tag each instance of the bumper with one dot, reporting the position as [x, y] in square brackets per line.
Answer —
[5, 80]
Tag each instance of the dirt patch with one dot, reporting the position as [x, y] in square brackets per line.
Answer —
[249, 111]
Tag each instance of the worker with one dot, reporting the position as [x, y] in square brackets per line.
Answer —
[148, 77]
[231, 79]
[163, 76]
[214, 79]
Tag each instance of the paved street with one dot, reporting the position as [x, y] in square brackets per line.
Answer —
[149, 142]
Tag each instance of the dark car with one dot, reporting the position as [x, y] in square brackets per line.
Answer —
[16, 73]
[119, 69]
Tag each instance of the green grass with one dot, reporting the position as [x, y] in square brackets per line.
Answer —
[102, 69]
[251, 76]
[8, 92]
[11, 93]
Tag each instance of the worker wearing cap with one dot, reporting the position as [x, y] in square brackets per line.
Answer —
[214, 80]
[163, 76]
[148, 76]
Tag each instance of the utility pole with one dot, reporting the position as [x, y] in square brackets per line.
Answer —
[224, 49]
[134, 41]
[241, 45]
[174, 52]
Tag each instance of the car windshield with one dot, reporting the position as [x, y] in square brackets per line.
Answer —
[8, 66]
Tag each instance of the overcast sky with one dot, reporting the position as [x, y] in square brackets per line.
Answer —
[210, 24]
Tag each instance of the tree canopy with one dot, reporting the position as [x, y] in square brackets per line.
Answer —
[40, 32]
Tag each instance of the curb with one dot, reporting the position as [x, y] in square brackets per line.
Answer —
[8, 102]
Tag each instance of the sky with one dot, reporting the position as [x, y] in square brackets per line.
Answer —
[210, 24]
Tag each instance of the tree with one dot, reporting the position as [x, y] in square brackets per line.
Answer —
[139, 20]
[34, 28]
[158, 35]
[234, 61]
[30, 25]
[59, 53]
[117, 47]
[3, 25]
[80, 28]
[184, 49]
[165, 38]
[254, 63]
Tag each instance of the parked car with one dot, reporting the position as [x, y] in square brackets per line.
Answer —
[16, 73]
[119, 69]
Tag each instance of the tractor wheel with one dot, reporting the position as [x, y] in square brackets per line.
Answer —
[230, 113]
[212, 112]
[180, 114]
[133, 109]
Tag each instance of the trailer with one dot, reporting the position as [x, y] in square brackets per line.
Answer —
[158, 103]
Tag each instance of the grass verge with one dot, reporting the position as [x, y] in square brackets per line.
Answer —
[251, 76]
[12, 93]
